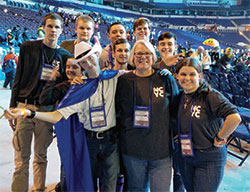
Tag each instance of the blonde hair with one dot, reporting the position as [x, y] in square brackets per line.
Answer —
[148, 45]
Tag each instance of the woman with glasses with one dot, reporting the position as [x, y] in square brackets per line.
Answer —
[144, 100]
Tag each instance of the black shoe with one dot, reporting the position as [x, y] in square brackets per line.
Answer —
[58, 187]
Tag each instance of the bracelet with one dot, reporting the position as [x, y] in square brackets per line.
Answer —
[218, 139]
[23, 110]
[32, 115]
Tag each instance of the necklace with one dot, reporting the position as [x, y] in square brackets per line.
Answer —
[49, 60]
[186, 100]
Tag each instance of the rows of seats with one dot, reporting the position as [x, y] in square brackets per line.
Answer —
[234, 86]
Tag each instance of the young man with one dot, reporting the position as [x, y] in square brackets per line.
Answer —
[141, 28]
[167, 46]
[36, 60]
[121, 53]
[115, 31]
[84, 29]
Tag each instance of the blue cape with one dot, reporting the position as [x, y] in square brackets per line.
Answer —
[71, 137]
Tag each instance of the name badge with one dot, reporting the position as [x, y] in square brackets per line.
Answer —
[141, 117]
[186, 146]
[97, 117]
[46, 72]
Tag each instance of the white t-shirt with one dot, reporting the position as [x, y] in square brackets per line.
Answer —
[82, 108]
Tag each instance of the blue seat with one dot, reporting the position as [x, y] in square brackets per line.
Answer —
[241, 101]
[241, 133]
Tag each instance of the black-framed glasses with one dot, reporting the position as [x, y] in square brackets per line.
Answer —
[146, 54]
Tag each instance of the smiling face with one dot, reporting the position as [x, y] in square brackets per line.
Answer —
[73, 70]
[143, 58]
[142, 32]
[121, 53]
[167, 47]
[52, 29]
[189, 79]
[84, 30]
[116, 32]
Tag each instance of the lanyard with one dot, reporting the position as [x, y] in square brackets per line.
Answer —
[151, 85]
[190, 119]
[110, 57]
[102, 97]
[43, 52]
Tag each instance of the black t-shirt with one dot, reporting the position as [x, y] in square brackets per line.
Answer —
[145, 143]
[209, 111]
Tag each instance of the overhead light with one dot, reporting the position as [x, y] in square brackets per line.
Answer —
[5, 10]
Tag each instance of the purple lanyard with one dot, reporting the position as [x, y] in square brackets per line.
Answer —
[110, 57]
[190, 119]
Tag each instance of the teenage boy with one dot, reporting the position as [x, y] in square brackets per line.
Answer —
[35, 63]
[115, 31]
[141, 28]
[84, 29]
[167, 47]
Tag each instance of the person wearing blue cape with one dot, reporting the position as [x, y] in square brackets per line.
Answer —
[85, 125]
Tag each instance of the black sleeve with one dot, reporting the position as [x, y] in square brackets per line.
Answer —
[219, 105]
[174, 95]
[18, 77]
[53, 92]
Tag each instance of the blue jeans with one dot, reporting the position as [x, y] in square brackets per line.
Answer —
[178, 185]
[205, 170]
[9, 79]
[144, 174]
[104, 159]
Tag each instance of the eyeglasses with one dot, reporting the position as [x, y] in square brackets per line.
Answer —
[140, 54]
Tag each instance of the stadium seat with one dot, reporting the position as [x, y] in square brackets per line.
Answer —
[242, 133]
[241, 101]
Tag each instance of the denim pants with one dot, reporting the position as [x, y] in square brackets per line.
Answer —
[9, 79]
[205, 170]
[25, 130]
[144, 174]
[178, 185]
[104, 159]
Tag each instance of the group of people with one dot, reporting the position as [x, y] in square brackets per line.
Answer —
[120, 110]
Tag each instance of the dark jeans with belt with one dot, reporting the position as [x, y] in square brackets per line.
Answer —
[205, 170]
[104, 158]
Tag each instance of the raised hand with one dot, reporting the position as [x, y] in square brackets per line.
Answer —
[171, 60]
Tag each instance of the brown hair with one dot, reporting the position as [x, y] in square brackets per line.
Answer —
[140, 21]
[85, 18]
[53, 16]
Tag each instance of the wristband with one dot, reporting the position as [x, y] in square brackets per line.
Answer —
[23, 110]
[218, 139]
[32, 114]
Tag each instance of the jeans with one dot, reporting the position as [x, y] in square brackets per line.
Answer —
[9, 79]
[205, 170]
[144, 174]
[178, 185]
[104, 159]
